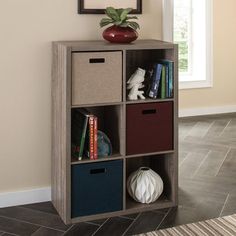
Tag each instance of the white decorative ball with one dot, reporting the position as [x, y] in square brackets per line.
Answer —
[145, 185]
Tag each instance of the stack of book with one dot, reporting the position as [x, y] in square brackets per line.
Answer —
[162, 80]
[84, 127]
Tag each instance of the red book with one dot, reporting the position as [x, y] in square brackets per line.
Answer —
[91, 137]
[95, 138]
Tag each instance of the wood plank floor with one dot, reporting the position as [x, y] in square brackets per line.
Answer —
[207, 189]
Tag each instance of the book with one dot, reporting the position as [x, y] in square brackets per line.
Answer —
[163, 82]
[153, 76]
[170, 65]
[171, 81]
[156, 81]
[167, 81]
[83, 139]
[95, 138]
[78, 132]
[149, 79]
[164, 74]
[91, 137]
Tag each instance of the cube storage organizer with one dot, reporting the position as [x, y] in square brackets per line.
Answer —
[93, 75]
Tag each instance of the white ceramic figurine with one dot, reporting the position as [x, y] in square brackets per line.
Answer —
[135, 83]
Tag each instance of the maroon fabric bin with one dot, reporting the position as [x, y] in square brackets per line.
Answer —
[149, 127]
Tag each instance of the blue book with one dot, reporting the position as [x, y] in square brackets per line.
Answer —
[151, 92]
[156, 81]
[171, 79]
[167, 81]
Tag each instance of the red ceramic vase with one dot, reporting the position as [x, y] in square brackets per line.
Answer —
[117, 34]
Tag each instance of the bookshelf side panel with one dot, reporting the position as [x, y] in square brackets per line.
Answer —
[176, 126]
[60, 132]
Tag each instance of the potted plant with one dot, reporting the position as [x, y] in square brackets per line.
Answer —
[122, 30]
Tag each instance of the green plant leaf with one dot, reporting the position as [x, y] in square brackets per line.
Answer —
[105, 21]
[133, 25]
[112, 13]
[119, 11]
[118, 23]
[131, 17]
[125, 12]
[119, 17]
[124, 24]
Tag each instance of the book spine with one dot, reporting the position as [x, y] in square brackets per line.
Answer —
[167, 82]
[163, 83]
[157, 79]
[169, 77]
[91, 137]
[82, 143]
[171, 65]
[151, 92]
[95, 138]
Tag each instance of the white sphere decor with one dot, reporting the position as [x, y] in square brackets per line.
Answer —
[145, 185]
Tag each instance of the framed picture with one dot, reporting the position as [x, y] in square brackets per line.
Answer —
[99, 6]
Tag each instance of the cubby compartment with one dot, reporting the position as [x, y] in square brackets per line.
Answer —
[96, 188]
[96, 77]
[163, 165]
[149, 128]
[145, 59]
[110, 122]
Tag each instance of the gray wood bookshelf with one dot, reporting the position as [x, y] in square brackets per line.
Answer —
[107, 99]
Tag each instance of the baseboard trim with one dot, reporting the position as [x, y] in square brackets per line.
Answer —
[207, 111]
[25, 197]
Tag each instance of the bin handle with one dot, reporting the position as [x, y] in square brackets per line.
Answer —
[97, 60]
[149, 111]
[98, 171]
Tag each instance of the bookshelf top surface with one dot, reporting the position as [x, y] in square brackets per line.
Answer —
[103, 45]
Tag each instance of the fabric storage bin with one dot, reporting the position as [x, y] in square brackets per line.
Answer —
[96, 188]
[149, 128]
[96, 77]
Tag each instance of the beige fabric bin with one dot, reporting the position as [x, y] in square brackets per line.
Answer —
[96, 77]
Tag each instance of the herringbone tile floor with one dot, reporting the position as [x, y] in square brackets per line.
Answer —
[207, 189]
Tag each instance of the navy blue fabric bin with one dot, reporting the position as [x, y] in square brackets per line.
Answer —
[96, 188]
